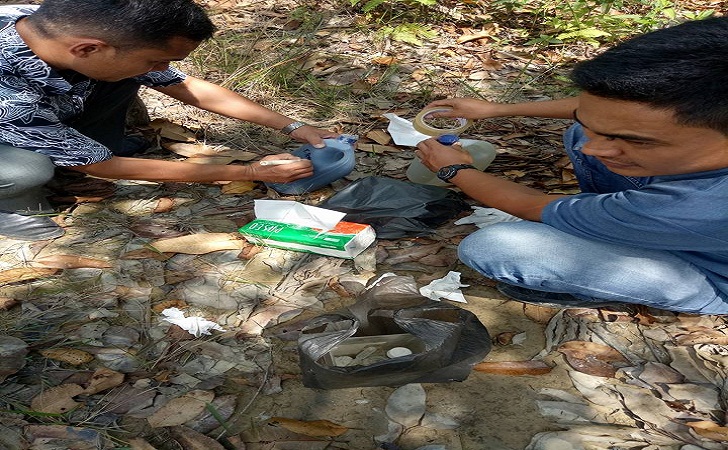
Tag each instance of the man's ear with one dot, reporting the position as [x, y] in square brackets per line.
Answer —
[86, 48]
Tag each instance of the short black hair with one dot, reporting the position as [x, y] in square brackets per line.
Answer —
[124, 23]
[683, 68]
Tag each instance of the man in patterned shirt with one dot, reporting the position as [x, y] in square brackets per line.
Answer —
[69, 70]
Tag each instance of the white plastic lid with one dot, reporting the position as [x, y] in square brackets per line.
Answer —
[396, 352]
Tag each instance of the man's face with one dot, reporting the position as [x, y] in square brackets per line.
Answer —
[638, 140]
[112, 64]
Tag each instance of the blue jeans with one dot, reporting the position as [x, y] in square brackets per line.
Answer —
[537, 256]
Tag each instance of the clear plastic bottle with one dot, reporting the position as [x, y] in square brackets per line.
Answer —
[483, 154]
[330, 163]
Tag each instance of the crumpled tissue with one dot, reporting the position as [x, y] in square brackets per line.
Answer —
[482, 217]
[403, 132]
[289, 211]
[193, 325]
[446, 287]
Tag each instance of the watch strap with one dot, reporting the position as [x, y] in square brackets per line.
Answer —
[447, 172]
[291, 127]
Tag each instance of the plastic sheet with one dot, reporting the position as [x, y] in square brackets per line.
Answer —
[396, 208]
[446, 341]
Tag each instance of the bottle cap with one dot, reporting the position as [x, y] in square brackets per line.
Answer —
[396, 352]
[447, 139]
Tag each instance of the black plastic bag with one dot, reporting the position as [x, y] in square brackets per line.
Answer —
[396, 208]
[446, 341]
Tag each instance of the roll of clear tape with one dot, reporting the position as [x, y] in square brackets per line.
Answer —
[420, 125]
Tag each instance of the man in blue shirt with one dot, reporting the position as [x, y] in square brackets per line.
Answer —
[650, 151]
[69, 70]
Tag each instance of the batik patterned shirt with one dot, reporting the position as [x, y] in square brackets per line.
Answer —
[35, 100]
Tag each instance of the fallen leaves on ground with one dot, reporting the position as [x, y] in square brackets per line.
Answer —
[25, 274]
[531, 367]
[68, 355]
[70, 262]
[57, 400]
[593, 358]
[313, 428]
[181, 409]
[198, 244]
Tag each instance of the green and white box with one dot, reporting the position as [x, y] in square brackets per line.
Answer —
[293, 226]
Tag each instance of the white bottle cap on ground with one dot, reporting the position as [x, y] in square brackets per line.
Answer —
[396, 352]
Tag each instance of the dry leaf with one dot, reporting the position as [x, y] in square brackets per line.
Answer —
[12, 355]
[172, 131]
[479, 75]
[190, 439]
[710, 430]
[531, 367]
[181, 409]
[199, 150]
[68, 355]
[506, 337]
[139, 444]
[165, 204]
[238, 187]
[145, 253]
[377, 149]
[702, 335]
[104, 379]
[57, 400]
[198, 244]
[6, 303]
[385, 60]
[25, 274]
[70, 262]
[475, 36]
[407, 405]
[381, 137]
[313, 428]
[414, 253]
[539, 314]
[592, 358]
[159, 307]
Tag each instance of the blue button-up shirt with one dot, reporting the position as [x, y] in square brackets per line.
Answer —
[35, 100]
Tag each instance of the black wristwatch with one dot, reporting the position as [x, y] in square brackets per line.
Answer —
[447, 172]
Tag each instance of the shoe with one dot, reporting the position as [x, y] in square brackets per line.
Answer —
[133, 144]
[28, 228]
[549, 299]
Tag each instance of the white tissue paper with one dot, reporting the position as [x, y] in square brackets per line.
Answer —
[403, 132]
[193, 325]
[446, 287]
[482, 217]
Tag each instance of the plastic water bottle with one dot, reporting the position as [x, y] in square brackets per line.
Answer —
[483, 154]
[330, 163]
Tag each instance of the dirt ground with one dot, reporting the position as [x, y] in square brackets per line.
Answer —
[494, 412]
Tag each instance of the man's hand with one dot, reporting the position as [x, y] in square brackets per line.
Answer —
[466, 108]
[282, 173]
[436, 156]
[312, 135]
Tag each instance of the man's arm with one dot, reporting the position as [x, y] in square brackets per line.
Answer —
[220, 100]
[492, 191]
[495, 192]
[470, 108]
[176, 171]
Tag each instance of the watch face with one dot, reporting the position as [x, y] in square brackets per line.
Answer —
[448, 172]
